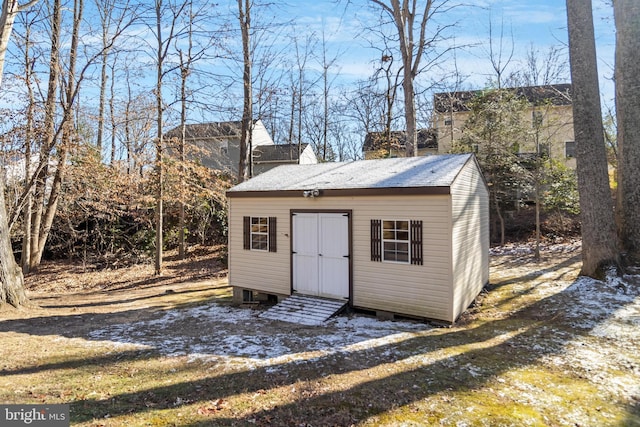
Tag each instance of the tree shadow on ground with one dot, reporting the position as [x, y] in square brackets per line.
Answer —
[536, 331]
[107, 302]
[421, 366]
[79, 325]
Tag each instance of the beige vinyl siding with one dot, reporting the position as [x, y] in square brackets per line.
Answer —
[416, 290]
[259, 270]
[402, 288]
[470, 236]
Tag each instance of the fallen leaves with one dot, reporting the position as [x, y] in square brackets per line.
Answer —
[212, 407]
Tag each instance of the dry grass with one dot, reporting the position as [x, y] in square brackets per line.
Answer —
[507, 362]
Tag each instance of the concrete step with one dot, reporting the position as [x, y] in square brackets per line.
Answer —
[305, 310]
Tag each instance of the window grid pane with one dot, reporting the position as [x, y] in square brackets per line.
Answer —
[259, 233]
[395, 241]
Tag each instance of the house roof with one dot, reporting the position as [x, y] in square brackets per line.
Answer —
[559, 94]
[377, 140]
[207, 130]
[277, 153]
[411, 175]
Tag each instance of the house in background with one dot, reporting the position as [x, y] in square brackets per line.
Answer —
[267, 157]
[378, 145]
[217, 146]
[550, 113]
[407, 236]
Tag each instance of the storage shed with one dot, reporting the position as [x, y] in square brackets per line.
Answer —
[407, 236]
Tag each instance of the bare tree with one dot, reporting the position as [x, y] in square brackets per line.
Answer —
[327, 82]
[391, 78]
[545, 68]
[300, 90]
[10, 9]
[188, 57]
[11, 279]
[244, 17]
[50, 136]
[112, 15]
[500, 55]
[28, 23]
[166, 15]
[68, 131]
[627, 18]
[599, 240]
[59, 132]
[413, 39]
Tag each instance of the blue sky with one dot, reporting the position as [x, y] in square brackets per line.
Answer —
[538, 23]
[541, 23]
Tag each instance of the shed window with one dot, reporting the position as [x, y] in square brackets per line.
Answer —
[259, 233]
[396, 241]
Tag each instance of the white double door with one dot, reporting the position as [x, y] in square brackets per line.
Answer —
[321, 254]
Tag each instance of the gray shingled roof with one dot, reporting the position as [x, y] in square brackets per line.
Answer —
[207, 130]
[376, 140]
[278, 152]
[558, 94]
[411, 172]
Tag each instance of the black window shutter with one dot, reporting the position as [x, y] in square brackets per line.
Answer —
[376, 240]
[272, 234]
[416, 242]
[246, 232]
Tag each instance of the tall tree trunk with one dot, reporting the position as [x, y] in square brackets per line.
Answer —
[410, 115]
[159, 169]
[112, 116]
[292, 119]
[244, 166]
[181, 148]
[390, 98]
[103, 97]
[599, 239]
[49, 135]
[67, 137]
[11, 279]
[186, 60]
[181, 220]
[26, 239]
[537, 201]
[411, 49]
[627, 77]
[131, 158]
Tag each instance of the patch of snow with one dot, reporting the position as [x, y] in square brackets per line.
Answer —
[610, 312]
[528, 248]
[595, 301]
[230, 336]
[601, 346]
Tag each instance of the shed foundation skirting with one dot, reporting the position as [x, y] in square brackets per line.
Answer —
[238, 296]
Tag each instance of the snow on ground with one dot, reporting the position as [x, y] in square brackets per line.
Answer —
[232, 336]
[596, 324]
[520, 249]
[610, 313]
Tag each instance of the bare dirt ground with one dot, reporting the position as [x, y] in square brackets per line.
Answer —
[540, 347]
